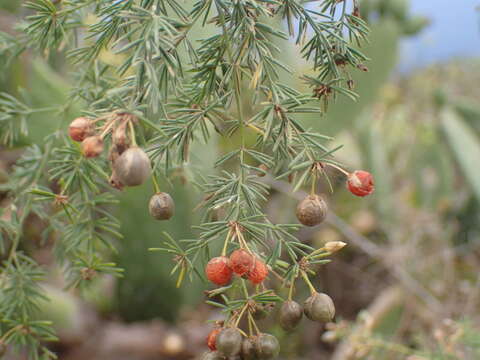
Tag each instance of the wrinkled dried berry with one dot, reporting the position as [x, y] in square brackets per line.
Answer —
[133, 167]
[360, 183]
[290, 315]
[212, 339]
[229, 342]
[241, 262]
[267, 347]
[218, 270]
[92, 146]
[312, 210]
[258, 273]
[161, 206]
[80, 128]
[319, 307]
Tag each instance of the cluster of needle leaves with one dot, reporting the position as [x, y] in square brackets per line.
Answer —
[184, 90]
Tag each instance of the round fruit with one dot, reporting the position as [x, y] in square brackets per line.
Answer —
[312, 210]
[92, 146]
[258, 273]
[133, 167]
[249, 350]
[161, 206]
[319, 307]
[212, 355]
[360, 183]
[229, 342]
[80, 128]
[290, 315]
[267, 347]
[218, 270]
[241, 262]
[212, 339]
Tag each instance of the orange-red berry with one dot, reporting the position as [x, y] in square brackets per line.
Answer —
[360, 183]
[80, 128]
[212, 339]
[241, 262]
[258, 273]
[218, 270]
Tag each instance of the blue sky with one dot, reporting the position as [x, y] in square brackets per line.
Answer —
[454, 32]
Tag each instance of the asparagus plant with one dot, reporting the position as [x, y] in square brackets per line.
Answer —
[141, 117]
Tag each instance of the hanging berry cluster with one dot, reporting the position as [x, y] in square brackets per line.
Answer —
[129, 164]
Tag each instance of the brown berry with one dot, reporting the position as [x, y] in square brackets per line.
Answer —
[161, 206]
[92, 146]
[133, 167]
[267, 347]
[249, 349]
[290, 315]
[229, 342]
[312, 210]
[258, 273]
[80, 128]
[218, 270]
[212, 339]
[241, 262]
[319, 307]
[360, 183]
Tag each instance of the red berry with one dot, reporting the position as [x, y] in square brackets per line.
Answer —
[92, 146]
[218, 270]
[258, 273]
[241, 262]
[80, 128]
[360, 183]
[212, 339]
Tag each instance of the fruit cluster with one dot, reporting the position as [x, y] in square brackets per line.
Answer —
[230, 342]
[130, 165]
[220, 270]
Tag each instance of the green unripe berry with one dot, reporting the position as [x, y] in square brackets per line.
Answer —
[229, 342]
[319, 307]
[267, 347]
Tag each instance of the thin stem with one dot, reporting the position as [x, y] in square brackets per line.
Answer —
[245, 290]
[308, 282]
[132, 133]
[338, 168]
[254, 324]
[237, 321]
[290, 291]
[314, 183]
[225, 244]
[156, 187]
